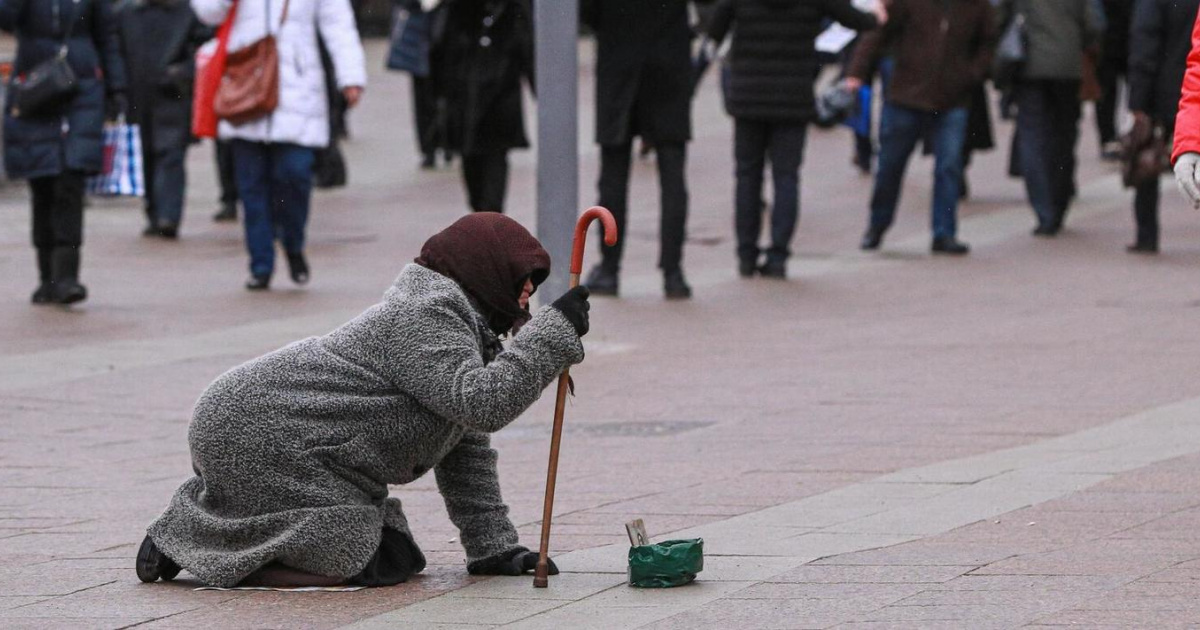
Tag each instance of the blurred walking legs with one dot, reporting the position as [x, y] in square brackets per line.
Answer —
[58, 236]
[486, 178]
[274, 181]
[753, 142]
[1048, 124]
[223, 152]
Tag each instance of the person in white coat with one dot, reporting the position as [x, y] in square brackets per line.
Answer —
[274, 154]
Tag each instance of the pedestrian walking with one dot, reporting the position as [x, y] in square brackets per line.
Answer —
[409, 51]
[773, 65]
[643, 88]
[1046, 94]
[161, 75]
[483, 54]
[274, 154]
[1111, 71]
[957, 37]
[295, 450]
[56, 142]
[1159, 45]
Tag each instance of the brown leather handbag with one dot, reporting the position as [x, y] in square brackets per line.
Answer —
[249, 89]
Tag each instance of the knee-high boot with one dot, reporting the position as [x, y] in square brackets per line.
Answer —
[65, 276]
[44, 292]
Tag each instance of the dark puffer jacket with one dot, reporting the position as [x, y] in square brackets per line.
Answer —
[1159, 44]
[38, 146]
[772, 61]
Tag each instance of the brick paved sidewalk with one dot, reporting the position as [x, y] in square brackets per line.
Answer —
[754, 396]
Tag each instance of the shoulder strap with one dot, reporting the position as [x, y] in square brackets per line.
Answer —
[70, 30]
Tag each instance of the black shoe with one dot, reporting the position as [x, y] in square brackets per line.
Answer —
[152, 565]
[168, 231]
[871, 240]
[1142, 248]
[602, 281]
[674, 286]
[429, 162]
[747, 268]
[43, 295]
[774, 270]
[949, 245]
[228, 212]
[1046, 231]
[65, 287]
[298, 268]
[258, 283]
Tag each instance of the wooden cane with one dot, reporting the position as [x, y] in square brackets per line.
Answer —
[541, 576]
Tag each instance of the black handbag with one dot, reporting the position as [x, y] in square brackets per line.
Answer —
[51, 83]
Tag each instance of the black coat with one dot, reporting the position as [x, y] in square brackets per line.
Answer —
[772, 62]
[1158, 48]
[1118, 16]
[37, 146]
[162, 68]
[643, 70]
[480, 53]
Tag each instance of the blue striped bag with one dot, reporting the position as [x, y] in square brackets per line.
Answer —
[122, 173]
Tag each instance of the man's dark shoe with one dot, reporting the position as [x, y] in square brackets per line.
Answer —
[1142, 248]
[871, 240]
[602, 281]
[258, 283]
[747, 268]
[429, 162]
[228, 212]
[949, 245]
[298, 267]
[168, 231]
[774, 270]
[152, 565]
[674, 285]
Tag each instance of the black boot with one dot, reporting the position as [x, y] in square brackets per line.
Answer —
[871, 239]
[65, 276]
[675, 286]
[228, 212]
[949, 245]
[602, 281]
[45, 290]
[152, 565]
[298, 267]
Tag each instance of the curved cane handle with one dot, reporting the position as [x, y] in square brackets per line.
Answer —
[581, 228]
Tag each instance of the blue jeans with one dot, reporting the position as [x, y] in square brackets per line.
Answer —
[899, 131]
[274, 181]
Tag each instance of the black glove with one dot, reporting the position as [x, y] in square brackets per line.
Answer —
[116, 106]
[515, 561]
[574, 306]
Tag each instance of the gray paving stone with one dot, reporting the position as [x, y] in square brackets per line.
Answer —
[872, 574]
[456, 610]
[564, 586]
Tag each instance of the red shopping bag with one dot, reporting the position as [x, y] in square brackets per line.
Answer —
[210, 67]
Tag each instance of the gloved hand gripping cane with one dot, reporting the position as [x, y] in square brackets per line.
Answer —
[541, 576]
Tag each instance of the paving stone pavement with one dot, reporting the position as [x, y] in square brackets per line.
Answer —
[884, 440]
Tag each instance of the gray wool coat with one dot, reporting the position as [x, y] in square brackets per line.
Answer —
[293, 451]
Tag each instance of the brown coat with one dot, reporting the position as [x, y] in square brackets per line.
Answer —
[942, 50]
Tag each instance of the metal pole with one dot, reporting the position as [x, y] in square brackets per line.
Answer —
[556, 28]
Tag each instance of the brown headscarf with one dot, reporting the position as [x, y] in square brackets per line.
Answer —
[489, 255]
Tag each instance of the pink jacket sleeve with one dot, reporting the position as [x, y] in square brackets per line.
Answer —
[1187, 122]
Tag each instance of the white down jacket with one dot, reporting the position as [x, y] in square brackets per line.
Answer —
[302, 116]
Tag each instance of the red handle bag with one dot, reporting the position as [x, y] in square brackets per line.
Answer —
[210, 67]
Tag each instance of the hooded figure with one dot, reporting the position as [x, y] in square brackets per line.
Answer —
[294, 451]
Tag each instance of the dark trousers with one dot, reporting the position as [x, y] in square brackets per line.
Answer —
[224, 155]
[486, 179]
[57, 222]
[615, 161]
[425, 116]
[165, 177]
[58, 210]
[274, 181]
[1109, 75]
[899, 131]
[753, 143]
[1145, 203]
[1048, 125]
